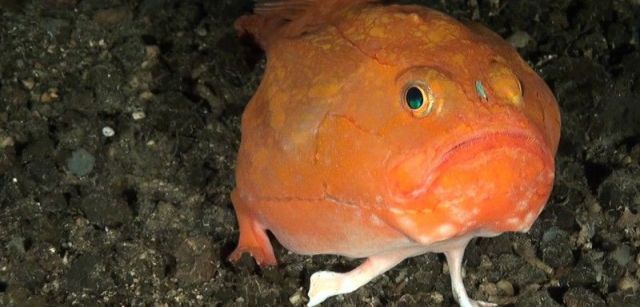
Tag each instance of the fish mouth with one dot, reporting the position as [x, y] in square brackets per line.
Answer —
[424, 171]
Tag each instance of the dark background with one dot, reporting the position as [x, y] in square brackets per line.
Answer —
[143, 217]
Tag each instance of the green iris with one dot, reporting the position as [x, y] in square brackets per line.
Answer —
[414, 98]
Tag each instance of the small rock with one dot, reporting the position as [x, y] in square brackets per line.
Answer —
[401, 276]
[628, 219]
[273, 275]
[297, 298]
[18, 295]
[505, 288]
[540, 298]
[577, 297]
[556, 248]
[519, 39]
[50, 95]
[81, 162]
[44, 172]
[151, 52]
[86, 273]
[489, 289]
[622, 255]
[16, 245]
[436, 297]
[194, 261]
[108, 131]
[28, 83]
[146, 95]
[201, 31]
[103, 210]
[138, 115]
[628, 283]
[624, 299]
[216, 104]
[6, 141]
[587, 271]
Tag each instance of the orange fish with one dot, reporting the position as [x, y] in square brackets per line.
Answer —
[385, 132]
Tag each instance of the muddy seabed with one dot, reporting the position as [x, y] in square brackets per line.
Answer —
[119, 125]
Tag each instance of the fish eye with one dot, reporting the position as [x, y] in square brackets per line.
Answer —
[418, 99]
[414, 97]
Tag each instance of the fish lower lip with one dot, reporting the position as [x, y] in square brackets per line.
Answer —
[471, 147]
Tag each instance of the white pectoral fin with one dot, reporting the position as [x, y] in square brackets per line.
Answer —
[325, 284]
[455, 256]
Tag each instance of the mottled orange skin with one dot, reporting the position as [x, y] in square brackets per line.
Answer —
[333, 162]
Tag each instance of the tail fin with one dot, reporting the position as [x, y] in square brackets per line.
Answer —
[287, 18]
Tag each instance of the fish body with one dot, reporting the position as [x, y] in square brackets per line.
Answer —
[385, 132]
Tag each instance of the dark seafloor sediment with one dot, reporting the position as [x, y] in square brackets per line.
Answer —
[119, 125]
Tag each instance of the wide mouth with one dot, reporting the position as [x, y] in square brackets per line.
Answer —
[415, 175]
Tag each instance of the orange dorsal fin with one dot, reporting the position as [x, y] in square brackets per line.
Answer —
[274, 19]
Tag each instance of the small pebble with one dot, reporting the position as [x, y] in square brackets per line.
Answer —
[628, 283]
[138, 115]
[146, 95]
[16, 245]
[81, 162]
[201, 31]
[296, 298]
[50, 95]
[505, 288]
[488, 288]
[108, 131]
[152, 51]
[519, 39]
[401, 276]
[595, 207]
[6, 141]
[436, 297]
[622, 255]
[28, 83]
[580, 297]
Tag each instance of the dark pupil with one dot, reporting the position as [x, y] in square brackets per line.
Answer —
[414, 98]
